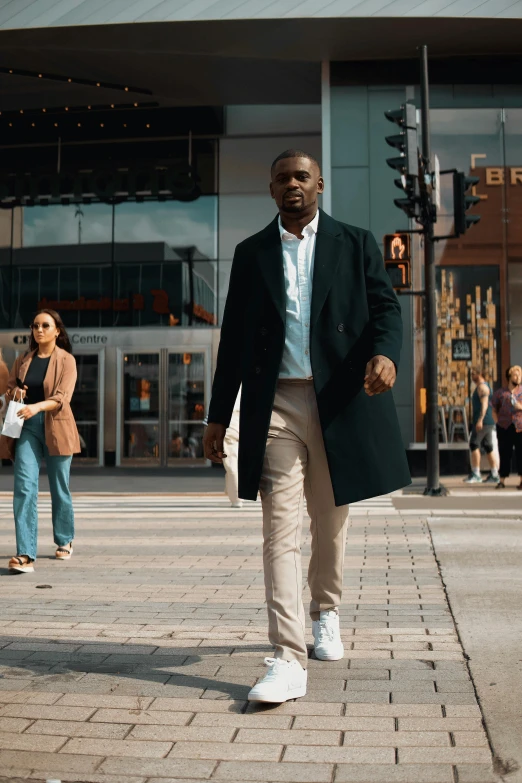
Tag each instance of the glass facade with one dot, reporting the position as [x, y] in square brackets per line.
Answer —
[474, 269]
[476, 129]
[140, 281]
[102, 265]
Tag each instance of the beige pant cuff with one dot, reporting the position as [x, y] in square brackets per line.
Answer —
[291, 655]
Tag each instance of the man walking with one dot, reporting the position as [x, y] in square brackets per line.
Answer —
[482, 430]
[312, 330]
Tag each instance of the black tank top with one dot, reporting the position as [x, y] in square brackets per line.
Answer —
[34, 380]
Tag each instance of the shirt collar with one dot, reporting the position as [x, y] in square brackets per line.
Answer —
[308, 230]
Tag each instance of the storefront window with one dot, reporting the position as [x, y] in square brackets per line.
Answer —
[472, 273]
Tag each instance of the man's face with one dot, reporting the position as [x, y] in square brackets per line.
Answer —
[516, 376]
[295, 185]
[475, 377]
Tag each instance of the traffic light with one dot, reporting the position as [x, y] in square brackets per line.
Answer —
[407, 162]
[397, 259]
[405, 141]
[462, 202]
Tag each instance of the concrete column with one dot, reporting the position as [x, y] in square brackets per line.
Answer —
[326, 136]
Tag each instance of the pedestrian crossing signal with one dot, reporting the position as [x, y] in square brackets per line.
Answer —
[397, 259]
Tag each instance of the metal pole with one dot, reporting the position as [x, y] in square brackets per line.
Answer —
[432, 394]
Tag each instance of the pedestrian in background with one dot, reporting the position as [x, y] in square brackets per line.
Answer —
[230, 458]
[47, 374]
[482, 430]
[507, 412]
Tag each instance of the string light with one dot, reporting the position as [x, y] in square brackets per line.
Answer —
[33, 125]
[79, 125]
[102, 107]
[55, 124]
[147, 125]
[39, 75]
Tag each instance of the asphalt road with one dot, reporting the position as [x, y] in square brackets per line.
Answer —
[481, 566]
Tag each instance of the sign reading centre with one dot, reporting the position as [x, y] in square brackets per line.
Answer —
[75, 337]
[397, 259]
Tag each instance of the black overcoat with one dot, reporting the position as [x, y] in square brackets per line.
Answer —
[355, 315]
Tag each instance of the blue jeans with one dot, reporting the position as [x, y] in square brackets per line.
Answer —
[30, 449]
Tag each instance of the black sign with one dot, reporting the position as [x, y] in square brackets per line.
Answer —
[461, 349]
[399, 274]
[179, 182]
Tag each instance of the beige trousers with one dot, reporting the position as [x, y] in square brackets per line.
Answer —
[231, 444]
[295, 467]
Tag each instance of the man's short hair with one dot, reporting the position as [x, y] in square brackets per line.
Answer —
[295, 154]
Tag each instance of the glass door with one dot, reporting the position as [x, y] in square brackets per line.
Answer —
[142, 414]
[87, 407]
[186, 407]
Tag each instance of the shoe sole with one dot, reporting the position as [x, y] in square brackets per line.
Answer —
[21, 570]
[64, 557]
[296, 693]
[330, 657]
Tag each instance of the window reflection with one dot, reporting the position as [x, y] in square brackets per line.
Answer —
[172, 224]
[72, 224]
[101, 265]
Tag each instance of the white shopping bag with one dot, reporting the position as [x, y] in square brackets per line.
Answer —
[13, 423]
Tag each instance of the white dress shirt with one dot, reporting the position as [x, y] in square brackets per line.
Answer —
[298, 260]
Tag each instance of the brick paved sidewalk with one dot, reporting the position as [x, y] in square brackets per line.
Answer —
[135, 665]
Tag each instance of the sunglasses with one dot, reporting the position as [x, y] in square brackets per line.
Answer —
[35, 327]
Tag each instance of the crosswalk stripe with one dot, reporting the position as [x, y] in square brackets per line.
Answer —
[130, 506]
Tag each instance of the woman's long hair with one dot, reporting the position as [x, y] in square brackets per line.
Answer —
[62, 341]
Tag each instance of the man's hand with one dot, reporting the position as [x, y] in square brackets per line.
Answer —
[479, 425]
[213, 442]
[380, 375]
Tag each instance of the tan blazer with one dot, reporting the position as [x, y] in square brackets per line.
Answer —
[4, 377]
[61, 434]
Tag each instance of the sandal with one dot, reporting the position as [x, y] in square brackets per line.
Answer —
[501, 484]
[64, 553]
[22, 564]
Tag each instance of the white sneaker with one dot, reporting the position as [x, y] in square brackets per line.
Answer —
[327, 638]
[237, 504]
[284, 680]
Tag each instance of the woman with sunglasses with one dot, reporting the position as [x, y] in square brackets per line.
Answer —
[47, 376]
